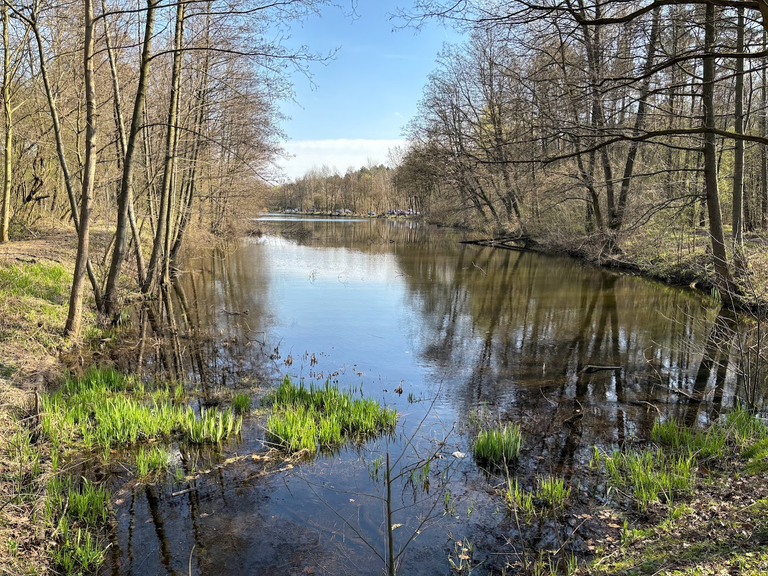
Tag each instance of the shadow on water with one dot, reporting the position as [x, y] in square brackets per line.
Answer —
[456, 337]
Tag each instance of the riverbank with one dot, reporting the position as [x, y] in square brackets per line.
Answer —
[658, 254]
[35, 278]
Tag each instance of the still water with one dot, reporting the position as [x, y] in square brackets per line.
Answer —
[454, 336]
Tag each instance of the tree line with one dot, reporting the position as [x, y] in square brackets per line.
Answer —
[146, 115]
[596, 117]
[373, 188]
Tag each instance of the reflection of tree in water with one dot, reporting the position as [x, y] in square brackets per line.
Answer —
[371, 236]
[528, 333]
[200, 328]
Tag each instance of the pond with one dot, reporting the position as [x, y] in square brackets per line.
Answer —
[456, 337]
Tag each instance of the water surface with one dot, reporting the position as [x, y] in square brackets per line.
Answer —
[578, 356]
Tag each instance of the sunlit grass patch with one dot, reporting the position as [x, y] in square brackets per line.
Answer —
[241, 402]
[47, 281]
[105, 408]
[703, 444]
[212, 425]
[151, 461]
[519, 500]
[499, 446]
[651, 475]
[550, 495]
[323, 416]
[553, 492]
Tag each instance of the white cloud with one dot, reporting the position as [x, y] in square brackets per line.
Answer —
[338, 155]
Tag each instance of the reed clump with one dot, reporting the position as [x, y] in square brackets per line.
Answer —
[105, 408]
[499, 446]
[151, 461]
[550, 495]
[306, 418]
[667, 471]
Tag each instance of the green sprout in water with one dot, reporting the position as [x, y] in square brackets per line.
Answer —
[499, 446]
[308, 418]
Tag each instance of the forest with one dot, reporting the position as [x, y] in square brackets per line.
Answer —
[610, 129]
[142, 119]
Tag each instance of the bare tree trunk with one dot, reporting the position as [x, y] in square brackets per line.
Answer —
[74, 318]
[161, 247]
[764, 133]
[76, 217]
[125, 199]
[7, 113]
[190, 181]
[723, 279]
[738, 155]
[617, 220]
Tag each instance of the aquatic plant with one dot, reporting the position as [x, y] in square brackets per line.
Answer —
[553, 492]
[651, 475]
[79, 552]
[704, 444]
[107, 408]
[212, 426]
[305, 418]
[151, 461]
[241, 402]
[88, 504]
[519, 500]
[499, 446]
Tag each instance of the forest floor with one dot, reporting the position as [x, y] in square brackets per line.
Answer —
[721, 528]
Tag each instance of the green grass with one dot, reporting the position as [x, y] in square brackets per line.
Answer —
[212, 426]
[553, 492]
[241, 402]
[46, 281]
[703, 444]
[75, 512]
[105, 408]
[519, 500]
[151, 461]
[499, 446]
[651, 475]
[308, 418]
[550, 495]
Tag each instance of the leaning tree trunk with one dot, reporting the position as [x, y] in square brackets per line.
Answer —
[129, 143]
[66, 175]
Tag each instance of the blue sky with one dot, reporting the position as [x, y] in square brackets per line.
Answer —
[362, 99]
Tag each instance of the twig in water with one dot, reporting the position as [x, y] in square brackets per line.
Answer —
[190, 558]
[478, 267]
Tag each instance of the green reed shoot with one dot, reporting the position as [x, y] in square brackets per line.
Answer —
[520, 500]
[88, 504]
[553, 492]
[151, 461]
[213, 425]
[307, 418]
[79, 552]
[105, 408]
[241, 402]
[651, 475]
[499, 446]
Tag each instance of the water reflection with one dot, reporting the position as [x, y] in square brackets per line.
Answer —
[579, 356]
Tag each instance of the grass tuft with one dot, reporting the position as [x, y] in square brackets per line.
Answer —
[499, 446]
[308, 418]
